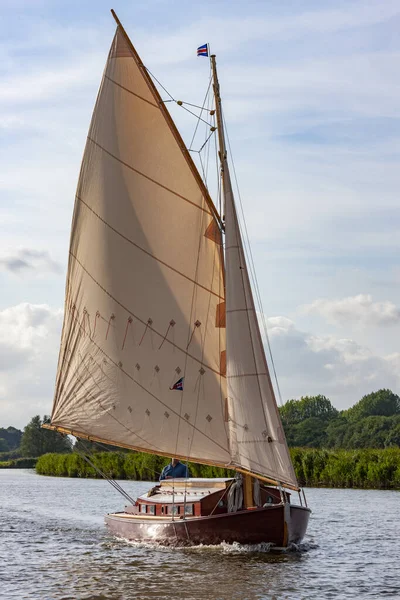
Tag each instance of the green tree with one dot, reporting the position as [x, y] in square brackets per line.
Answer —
[311, 433]
[336, 431]
[3, 445]
[307, 407]
[382, 403]
[37, 441]
[370, 432]
[12, 436]
[393, 437]
[305, 420]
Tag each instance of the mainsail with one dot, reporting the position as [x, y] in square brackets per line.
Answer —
[145, 297]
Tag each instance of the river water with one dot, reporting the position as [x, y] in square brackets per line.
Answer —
[54, 546]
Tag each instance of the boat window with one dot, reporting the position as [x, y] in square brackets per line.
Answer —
[142, 508]
[173, 510]
[151, 509]
[188, 509]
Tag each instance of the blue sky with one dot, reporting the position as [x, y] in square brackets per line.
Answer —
[312, 102]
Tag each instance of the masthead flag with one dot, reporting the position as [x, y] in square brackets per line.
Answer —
[202, 50]
[178, 385]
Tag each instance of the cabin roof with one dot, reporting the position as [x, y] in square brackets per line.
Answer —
[194, 489]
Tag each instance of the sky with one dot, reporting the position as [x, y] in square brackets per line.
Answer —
[311, 98]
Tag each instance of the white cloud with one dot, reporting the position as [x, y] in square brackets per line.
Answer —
[339, 368]
[360, 308]
[29, 339]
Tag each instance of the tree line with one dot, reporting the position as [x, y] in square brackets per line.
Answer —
[354, 447]
[373, 422]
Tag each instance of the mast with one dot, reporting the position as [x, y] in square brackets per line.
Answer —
[220, 129]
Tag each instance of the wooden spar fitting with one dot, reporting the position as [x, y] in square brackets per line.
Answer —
[218, 110]
[248, 491]
[171, 124]
[93, 438]
[289, 486]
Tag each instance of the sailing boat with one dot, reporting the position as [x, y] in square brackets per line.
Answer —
[158, 294]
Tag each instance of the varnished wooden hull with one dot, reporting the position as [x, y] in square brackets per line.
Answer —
[278, 525]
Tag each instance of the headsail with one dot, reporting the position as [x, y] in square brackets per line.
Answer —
[257, 439]
[144, 283]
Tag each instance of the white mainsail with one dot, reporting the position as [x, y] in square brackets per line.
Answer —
[145, 297]
[144, 284]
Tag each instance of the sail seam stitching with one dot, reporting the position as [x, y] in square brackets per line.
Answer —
[245, 375]
[145, 390]
[167, 341]
[164, 187]
[147, 252]
[99, 401]
[130, 92]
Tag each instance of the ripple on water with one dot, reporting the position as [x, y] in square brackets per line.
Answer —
[55, 547]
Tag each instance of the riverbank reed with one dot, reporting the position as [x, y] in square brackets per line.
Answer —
[18, 463]
[136, 466]
[366, 468]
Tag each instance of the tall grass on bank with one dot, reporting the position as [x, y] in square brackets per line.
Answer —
[18, 463]
[137, 466]
[365, 468]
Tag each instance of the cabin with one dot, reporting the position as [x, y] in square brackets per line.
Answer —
[194, 497]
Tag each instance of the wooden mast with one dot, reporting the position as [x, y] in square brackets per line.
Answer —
[247, 477]
[220, 125]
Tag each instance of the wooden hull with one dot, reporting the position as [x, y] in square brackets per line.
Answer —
[280, 525]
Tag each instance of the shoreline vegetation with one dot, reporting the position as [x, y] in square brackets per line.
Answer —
[357, 447]
[365, 469]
